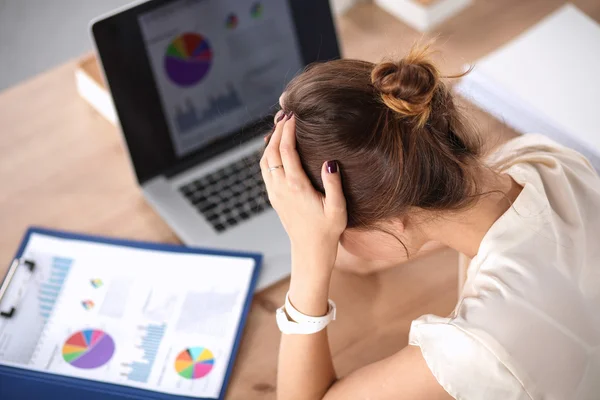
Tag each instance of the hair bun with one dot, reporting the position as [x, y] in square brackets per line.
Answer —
[407, 86]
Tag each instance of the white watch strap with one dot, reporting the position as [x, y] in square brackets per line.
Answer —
[293, 328]
[292, 321]
[300, 318]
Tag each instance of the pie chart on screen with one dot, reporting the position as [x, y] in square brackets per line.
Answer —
[188, 59]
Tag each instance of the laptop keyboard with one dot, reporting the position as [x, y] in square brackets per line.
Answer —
[230, 195]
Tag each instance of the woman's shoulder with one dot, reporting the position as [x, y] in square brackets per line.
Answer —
[538, 149]
[557, 208]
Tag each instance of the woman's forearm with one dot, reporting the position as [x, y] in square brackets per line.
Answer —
[314, 223]
[305, 370]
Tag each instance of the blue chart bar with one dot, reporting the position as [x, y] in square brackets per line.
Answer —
[50, 289]
[60, 274]
[140, 369]
[61, 261]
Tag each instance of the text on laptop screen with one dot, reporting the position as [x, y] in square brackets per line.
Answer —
[218, 64]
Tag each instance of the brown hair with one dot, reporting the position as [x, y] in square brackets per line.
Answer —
[395, 131]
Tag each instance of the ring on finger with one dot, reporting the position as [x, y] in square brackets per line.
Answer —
[271, 169]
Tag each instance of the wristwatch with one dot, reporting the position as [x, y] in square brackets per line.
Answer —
[291, 321]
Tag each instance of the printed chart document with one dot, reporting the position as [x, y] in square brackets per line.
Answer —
[165, 321]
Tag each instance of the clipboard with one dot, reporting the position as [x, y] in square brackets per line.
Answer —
[18, 383]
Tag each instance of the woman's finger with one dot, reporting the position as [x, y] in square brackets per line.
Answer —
[278, 116]
[264, 170]
[289, 156]
[335, 202]
[273, 158]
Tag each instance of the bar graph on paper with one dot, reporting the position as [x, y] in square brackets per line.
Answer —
[51, 287]
[49, 279]
[140, 368]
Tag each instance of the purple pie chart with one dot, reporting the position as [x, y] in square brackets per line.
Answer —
[88, 349]
[188, 59]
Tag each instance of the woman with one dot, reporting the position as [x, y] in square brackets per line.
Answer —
[378, 160]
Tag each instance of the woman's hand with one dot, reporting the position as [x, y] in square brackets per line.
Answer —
[312, 221]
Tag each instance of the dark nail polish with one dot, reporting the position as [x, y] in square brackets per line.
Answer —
[332, 167]
[280, 117]
[289, 115]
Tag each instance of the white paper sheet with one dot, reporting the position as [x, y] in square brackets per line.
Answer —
[546, 81]
[125, 316]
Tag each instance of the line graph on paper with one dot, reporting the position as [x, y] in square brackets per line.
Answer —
[160, 306]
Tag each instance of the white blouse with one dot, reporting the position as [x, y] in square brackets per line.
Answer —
[527, 324]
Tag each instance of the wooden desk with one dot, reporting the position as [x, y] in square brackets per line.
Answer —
[63, 166]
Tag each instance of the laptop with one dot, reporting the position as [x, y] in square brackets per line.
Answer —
[195, 84]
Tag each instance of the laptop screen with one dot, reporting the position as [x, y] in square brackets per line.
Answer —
[218, 64]
[192, 79]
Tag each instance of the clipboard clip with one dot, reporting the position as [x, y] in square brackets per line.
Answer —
[9, 277]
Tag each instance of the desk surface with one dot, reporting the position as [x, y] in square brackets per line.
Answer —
[63, 166]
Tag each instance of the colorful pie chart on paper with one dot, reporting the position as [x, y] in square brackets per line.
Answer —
[87, 304]
[88, 349]
[194, 363]
[188, 59]
[96, 283]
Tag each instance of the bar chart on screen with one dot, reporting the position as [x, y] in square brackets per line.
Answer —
[190, 116]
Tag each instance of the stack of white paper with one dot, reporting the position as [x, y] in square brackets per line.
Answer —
[546, 81]
[423, 15]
